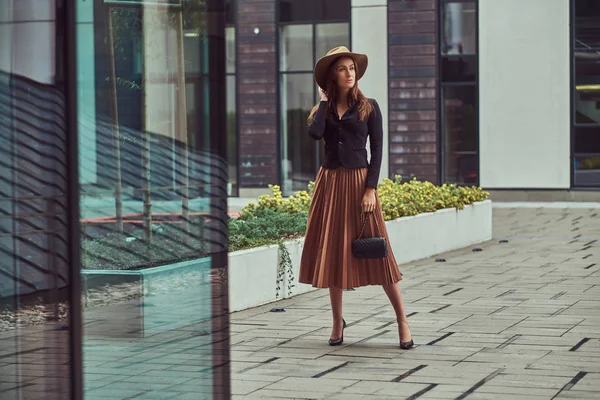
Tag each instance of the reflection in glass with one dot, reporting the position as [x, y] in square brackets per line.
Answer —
[35, 284]
[232, 142]
[147, 201]
[232, 136]
[587, 87]
[230, 49]
[460, 134]
[296, 48]
[298, 150]
[587, 24]
[329, 36]
[458, 28]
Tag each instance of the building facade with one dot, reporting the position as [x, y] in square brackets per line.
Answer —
[500, 94]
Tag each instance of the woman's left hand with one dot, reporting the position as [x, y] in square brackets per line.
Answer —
[369, 200]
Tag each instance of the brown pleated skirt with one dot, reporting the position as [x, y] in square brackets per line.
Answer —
[333, 223]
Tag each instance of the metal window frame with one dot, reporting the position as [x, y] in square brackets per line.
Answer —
[441, 85]
[69, 47]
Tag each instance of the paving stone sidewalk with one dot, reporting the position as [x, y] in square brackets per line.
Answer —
[516, 320]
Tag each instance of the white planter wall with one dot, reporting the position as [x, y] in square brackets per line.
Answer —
[425, 235]
[253, 273]
[252, 277]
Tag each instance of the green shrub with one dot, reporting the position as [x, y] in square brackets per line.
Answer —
[297, 203]
[266, 226]
[398, 199]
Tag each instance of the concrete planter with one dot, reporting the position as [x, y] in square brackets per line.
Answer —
[253, 274]
[157, 299]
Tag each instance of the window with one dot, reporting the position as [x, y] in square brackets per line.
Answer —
[307, 30]
[157, 138]
[232, 142]
[586, 93]
[458, 92]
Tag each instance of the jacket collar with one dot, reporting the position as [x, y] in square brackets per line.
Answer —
[349, 111]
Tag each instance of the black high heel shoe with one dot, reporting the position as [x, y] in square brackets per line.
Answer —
[340, 340]
[407, 345]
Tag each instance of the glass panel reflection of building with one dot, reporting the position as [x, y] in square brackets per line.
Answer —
[146, 249]
[139, 244]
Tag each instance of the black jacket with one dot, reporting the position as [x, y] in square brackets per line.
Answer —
[346, 139]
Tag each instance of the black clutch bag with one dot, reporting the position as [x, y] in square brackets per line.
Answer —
[369, 248]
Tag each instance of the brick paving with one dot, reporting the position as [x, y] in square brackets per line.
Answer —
[516, 320]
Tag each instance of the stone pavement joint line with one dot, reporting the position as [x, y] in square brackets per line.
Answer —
[517, 320]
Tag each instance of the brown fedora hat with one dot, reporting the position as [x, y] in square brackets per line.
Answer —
[322, 66]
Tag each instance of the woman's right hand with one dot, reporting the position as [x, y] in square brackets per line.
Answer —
[322, 94]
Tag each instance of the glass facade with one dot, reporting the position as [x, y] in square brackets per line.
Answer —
[307, 30]
[459, 156]
[114, 158]
[586, 93]
[36, 208]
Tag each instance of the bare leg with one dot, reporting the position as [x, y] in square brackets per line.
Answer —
[335, 296]
[395, 295]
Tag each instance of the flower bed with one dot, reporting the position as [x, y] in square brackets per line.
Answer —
[275, 218]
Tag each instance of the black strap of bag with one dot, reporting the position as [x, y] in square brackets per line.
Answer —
[369, 248]
[363, 218]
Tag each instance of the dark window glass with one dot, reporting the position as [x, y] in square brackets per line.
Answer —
[586, 99]
[460, 137]
[587, 156]
[587, 24]
[587, 88]
[229, 12]
[296, 10]
[587, 139]
[332, 10]
[459, 21]
[459, 68]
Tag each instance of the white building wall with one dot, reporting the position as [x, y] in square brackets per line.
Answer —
[524, 94]
[369, 36]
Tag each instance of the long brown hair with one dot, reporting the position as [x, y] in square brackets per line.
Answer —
[364, 107]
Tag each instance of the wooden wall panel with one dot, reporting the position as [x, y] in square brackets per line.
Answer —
[413, 89]
[257, 93]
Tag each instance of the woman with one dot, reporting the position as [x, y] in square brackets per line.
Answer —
[345, 185]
